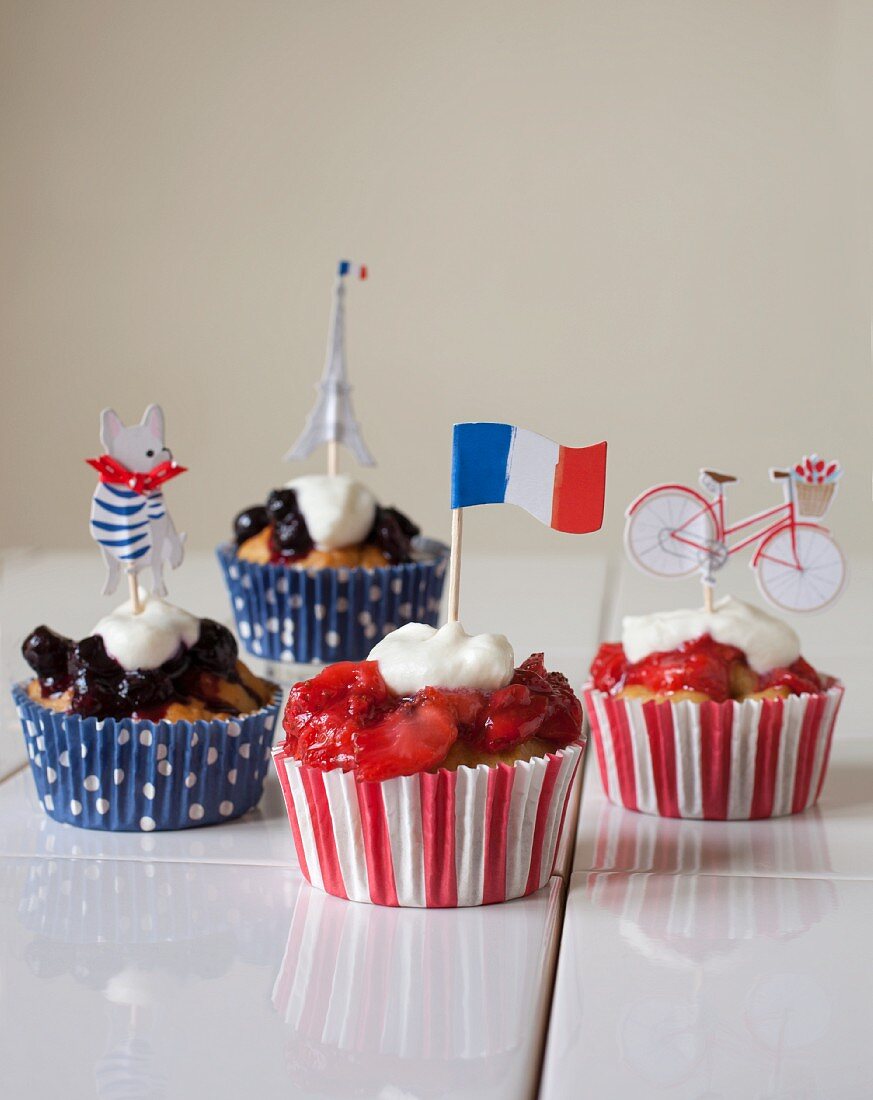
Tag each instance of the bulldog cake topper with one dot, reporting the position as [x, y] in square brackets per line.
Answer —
[332, 420]
[674, 530]
[129, 519]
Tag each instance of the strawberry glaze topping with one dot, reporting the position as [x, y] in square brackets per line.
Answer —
[701, 665]
[346, 717]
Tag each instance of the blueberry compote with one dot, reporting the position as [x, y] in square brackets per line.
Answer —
[101, 688]
[392, 531]
[290, 538]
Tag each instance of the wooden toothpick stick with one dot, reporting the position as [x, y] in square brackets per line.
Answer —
[455, 564]
[707, 598]
[133, 586]
[332, 457]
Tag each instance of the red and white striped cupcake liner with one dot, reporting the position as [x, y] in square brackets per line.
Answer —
[433, 840]
[693, 918]
[732, 761]
[346, 985]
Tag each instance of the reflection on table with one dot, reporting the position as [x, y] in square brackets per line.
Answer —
[702, 915]
[435, 1002]
[139, 933]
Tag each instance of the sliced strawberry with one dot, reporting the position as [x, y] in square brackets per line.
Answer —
[608, 667]
[413, 738]
[513, 715]
[322, 714]
[800, 678]
[562, 722]
[701, 665]
[327, 742]
[466, 704]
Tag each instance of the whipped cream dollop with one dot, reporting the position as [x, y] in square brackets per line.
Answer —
[338, 510]
[137, 988]
[148, 639]
[767, 642]
[417, 656]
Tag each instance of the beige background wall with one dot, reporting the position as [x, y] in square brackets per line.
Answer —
[648, 222]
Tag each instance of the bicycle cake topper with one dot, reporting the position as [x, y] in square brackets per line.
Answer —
[129, 520]
[673, 530]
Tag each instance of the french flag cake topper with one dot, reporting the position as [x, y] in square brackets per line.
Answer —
[129, 518]
[563, 487]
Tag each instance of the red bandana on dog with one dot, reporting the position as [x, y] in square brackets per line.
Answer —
[112, 472]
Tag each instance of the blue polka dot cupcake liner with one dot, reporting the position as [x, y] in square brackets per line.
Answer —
[133, 775]
[304, 616]
[133, 901]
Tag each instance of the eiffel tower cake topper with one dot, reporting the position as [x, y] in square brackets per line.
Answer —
[332, 420]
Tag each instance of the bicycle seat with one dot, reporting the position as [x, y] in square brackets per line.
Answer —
[719, 479]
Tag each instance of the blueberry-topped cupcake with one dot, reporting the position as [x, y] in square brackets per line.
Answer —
[151, 721]
[321, 570]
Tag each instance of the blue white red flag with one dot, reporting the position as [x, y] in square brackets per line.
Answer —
[563, 487]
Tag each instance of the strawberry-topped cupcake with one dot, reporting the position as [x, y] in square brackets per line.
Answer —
[711, 714]
[435, 773]
[322, 570]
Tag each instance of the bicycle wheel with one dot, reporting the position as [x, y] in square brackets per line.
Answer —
[649, 534]
[814, 582]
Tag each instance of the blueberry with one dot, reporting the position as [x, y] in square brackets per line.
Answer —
[96, 698]
[408, 528]
[90, 657]
[291, 536]
[144, 690]
[48, 654]
[282, 503]
[215, 650]
[392, 533]
[250, 522]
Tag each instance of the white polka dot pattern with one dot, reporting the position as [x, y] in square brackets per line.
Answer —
[144, 776]
[295, 615]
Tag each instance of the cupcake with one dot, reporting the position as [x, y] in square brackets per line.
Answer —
[435, 773]
[150, 722]
[711, 714]
[321, 570]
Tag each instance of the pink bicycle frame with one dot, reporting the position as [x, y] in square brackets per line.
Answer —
[716, 509]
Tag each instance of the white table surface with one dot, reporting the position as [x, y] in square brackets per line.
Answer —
[199, 963]
[726, 959]
[693, 958]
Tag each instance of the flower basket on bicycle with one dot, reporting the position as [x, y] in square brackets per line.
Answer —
[813, 500]
[815, 482]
